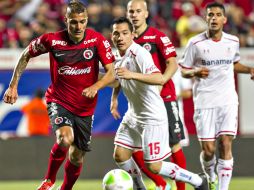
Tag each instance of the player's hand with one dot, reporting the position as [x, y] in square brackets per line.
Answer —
[114, 110]
[90, 92]
[252, 73]
[10, 95]
[123, 73]
[202, 72]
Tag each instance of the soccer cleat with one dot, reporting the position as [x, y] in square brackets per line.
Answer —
[167, 187]
[46, 185]
[204, 184]
[213, 185]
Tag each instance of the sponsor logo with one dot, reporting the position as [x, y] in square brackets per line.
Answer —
[165, 40]
[217, 62]
[58, 120]
[88, 54]
[149, 37]
[59, 54]
[34, 45]
[109, 55]
[90, 41]
[177, 128]
[175, 111]
[147, 46]
[169, 50]
[67, 121]
[37, 46]
[106, 44]
[185, 176]
[67, 70]
[59, 42]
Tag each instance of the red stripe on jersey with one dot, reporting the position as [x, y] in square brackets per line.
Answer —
[206, 139]
[184, 67]
[126, 145]
[232, 40]
[194, 43]
[226, 132]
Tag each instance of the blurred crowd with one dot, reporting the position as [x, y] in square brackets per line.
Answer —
[23, 20]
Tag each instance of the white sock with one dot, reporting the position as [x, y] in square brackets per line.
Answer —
[174, 172]
[131, 167]
[224, 170]
[208, 167]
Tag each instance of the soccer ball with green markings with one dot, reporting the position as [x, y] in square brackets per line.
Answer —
[117, 179]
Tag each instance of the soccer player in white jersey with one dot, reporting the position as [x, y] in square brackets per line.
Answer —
[145, 124]
[212, 57]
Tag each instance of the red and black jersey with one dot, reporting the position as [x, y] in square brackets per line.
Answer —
[73, 67]
[161, 48]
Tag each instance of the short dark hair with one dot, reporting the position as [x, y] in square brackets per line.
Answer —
[216, 4]
[75, 6]
[121, 20]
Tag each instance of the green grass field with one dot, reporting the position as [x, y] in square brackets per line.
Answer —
[236, 184]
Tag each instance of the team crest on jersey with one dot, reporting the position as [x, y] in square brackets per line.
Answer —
[147, 46]
[58, 120]
[88, 54]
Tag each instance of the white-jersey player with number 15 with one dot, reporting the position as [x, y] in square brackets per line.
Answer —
[212, 57]
[145, 124]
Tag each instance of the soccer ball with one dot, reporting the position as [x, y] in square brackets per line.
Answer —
[117, 179]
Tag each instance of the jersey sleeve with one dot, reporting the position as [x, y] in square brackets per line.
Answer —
[165, 46]
[237, 53]
[39, 45]
[145, 61]
[188, 58]
[105, 51]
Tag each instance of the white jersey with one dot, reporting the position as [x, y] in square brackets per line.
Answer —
[145, 105]
[218, 89]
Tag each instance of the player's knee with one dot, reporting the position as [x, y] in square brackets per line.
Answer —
[120, 157]
[65, 139]
[175, 147]
[76, 158]
[121, 154]
[208, 150]
[225, 144]
[154, 167]
[65, 136]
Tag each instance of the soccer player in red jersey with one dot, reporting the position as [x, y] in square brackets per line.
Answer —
[163, 53]
[71, 98]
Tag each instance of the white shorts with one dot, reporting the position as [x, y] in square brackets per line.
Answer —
[213, 122]
[153, 140]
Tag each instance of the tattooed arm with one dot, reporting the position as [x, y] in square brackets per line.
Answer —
[11, 94]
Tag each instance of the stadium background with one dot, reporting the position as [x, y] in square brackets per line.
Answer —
[16, 30]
